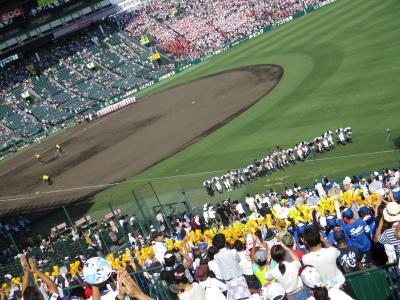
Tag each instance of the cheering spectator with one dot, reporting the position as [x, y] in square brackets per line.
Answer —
[349, 259]
[323, 259]
[286, 273]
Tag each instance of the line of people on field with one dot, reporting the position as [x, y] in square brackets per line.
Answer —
[279, 159]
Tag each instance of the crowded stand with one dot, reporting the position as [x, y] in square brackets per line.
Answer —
[297, 244]
[279, 159]
[75, 74]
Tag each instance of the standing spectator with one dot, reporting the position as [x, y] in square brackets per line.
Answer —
[349, 259]
[213, 287]
[245, 260]
[357, 231]
[250, 201]
[391, 215]
[188, 291]
[227, 259]
[286, 273]
[159, 247]
[323, 259]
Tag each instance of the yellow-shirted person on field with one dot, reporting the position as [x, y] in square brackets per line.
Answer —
[46, 178]
[59, 150]
[38, 157]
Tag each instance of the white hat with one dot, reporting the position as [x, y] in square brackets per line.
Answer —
[275, 291]
[310, 276]
[392, 212]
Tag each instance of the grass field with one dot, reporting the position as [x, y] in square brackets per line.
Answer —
[341, 68]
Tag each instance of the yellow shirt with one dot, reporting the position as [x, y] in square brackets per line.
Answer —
[45, 177]
[37, 155]
[58, 146]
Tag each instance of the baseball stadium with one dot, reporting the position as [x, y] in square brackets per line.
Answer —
[206, 149]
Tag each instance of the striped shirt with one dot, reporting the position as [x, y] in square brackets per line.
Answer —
[388, 238]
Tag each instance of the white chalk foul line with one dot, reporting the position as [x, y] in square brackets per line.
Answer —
[99, 186]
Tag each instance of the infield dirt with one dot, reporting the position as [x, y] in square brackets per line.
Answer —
[127, 142]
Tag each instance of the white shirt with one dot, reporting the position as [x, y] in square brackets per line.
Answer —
[213, 266]
[290, 280]
[324, 260]
[195, 293]
[213, 289]
[159, 250]
[250, 202]
[239, 209]
[245, 264]
[335, 294]
[228, 262]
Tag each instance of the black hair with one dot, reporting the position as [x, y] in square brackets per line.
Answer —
[180, 278]
[278, 254]
[211, 251]
[78, 291]
[238, 245]
[312, 236]
[219, 241]
[196, 253]
[32, 293]
[321, 293]
[171, 260]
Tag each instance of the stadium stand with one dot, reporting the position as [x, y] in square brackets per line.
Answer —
[179, 31]
[251, 235]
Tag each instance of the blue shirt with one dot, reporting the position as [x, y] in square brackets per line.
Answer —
[358, 233]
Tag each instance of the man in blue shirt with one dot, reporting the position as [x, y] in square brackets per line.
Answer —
[357, 231]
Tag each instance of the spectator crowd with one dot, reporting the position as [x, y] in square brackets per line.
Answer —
[297, 244]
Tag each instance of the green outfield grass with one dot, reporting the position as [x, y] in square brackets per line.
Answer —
[341, 68]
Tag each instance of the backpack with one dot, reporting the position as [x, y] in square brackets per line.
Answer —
[200, 272]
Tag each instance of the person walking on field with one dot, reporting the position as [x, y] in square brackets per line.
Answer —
[46, 178]
[38, 157]
[59, 150]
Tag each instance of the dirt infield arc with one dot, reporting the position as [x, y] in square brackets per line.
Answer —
[125, 143]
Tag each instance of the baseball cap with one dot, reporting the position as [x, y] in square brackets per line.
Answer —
[275, 291]
[310, 276]
[392, 212]
[287, 240]
[339, 235]
[261, 255]
[348, 213]
[203, 246]
[331, 221]
[364, 210]
[300, 228]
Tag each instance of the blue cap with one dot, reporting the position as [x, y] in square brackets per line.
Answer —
[331, 221]
[203, 246]
[300, 228]
[363, 210]
[348, 213]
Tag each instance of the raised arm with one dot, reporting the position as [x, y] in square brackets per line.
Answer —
[378, 230]
[46, 279]
[25, 279]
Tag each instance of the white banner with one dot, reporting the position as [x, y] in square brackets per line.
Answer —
[116, 106]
